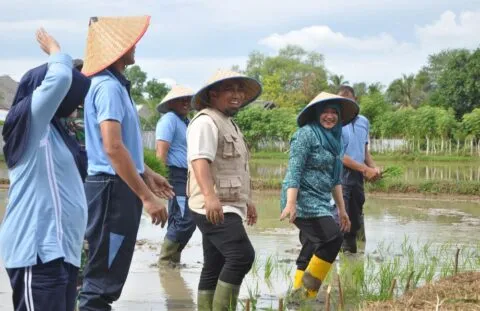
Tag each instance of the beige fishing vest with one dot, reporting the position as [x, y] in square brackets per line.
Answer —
[230, 169]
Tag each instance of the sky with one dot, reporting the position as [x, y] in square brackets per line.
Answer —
[363, 40]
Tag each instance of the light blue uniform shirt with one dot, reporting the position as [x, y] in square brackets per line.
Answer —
[109, 99]
[172, 129]
[46, 213]
[355, 136]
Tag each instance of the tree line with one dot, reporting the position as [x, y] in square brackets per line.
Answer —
[439, 102]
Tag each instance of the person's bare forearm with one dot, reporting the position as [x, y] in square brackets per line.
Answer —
[292, 194]
[337, 195]
[369, 160]
[354, 165]
[124, 166]
[162, 148]
[203, 175]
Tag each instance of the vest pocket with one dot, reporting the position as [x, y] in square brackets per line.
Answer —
[229, 146]
[228, 188]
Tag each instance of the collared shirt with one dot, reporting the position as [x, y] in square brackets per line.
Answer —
[109, 99]
[173, 130]
[46, 214]
[355, 136]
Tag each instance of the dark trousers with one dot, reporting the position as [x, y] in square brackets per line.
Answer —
[114, 213]
[354, 198]
[45, 286]
[180, 222]
[320, 236]
[228, 254]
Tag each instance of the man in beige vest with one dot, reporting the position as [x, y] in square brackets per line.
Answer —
[218, 187]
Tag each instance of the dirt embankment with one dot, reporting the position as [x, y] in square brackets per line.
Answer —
[460, 293]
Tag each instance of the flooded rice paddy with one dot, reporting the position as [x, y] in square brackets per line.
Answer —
[394, 228]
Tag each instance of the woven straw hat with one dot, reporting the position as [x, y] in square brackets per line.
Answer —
[349, 108]
[253, 88]
[109, 38]
[176, 92]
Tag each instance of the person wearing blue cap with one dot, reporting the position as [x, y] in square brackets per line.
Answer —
[313, 176]
[42, 233]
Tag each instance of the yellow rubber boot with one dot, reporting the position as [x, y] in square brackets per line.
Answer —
[314, 275]
[297, 281]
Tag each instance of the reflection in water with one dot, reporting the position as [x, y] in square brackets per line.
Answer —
[412, 171]
[177, 294]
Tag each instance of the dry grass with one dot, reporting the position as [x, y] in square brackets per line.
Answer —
[459, 292]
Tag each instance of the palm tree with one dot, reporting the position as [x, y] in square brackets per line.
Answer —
[403, 91]
[336, 82]
[376, 87]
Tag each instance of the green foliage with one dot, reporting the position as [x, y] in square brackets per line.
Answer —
[459, 83]
[471, 123]
[404, 92]
[156, 91]
[374, 106]
[290, 79]
[259, 124]
[336, 82]
[392, 171]
[149, 93]
[154, 163]
[137, 77]
[360, 89]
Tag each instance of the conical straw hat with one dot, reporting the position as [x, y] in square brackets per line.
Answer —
[253, 88]
[349, 108]
[176, 92]
[109, 38]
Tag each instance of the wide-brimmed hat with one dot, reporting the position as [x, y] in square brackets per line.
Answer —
[349, 108]
[109, 38]
[253, 88]
[176, 92]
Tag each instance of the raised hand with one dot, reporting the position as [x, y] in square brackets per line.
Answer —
[47, 43]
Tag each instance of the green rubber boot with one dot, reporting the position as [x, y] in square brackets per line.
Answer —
[169, 253]
[205, 300]
[226, 296]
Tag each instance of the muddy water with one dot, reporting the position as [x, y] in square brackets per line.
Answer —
[388, 220]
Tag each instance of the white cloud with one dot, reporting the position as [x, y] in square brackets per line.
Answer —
[381, 57]
[325, 39]
[451, 31]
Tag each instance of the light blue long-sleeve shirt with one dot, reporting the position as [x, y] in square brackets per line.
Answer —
[46, 213]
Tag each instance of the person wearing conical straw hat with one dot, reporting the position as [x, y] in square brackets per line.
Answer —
[118, 182]
[46, 216]
[171, 146]
[218, 187]
[313, 176]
